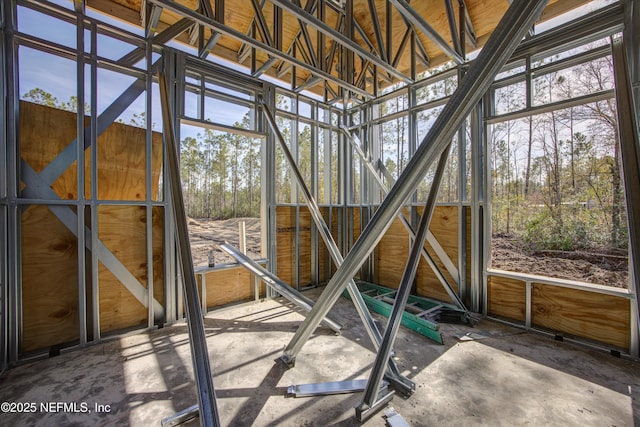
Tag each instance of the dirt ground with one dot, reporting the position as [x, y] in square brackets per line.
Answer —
[598, 268]
[206, 234]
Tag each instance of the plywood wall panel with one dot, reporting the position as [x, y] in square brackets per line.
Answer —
[228, 285]
[285, 249]
[507, 298]
[603, 318]
[122, 229]
[45, 132]
[49, 280]
[393, 251]
[122, 163]
[391, 255]
[324, 259]
[304, 242]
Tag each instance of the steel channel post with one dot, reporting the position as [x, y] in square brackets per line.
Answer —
[4, 258]
[631, 37]
[267, 178]
[3, 289]
[10, 72]
[93, 208]
[481, 213]
[630, 154]
[528, 303]
[511, 29]
[80, 152]
[206, 394]
[406, 224]
[402, 383]
[370, 400]
[314, 191]
[148, 181]
[176, 96]
[168, 244]
[462, 183]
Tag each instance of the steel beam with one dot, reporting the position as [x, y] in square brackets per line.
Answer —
[261, 23]
[511, 29]
[414, 17]
[78, 5]
[467, 29]
[323, 389]
[339, 37]
[165, 36]
[376, 29]
[209, 45]
[630, 154]
[200, 356]
[276, 284]
[433, 242]
[152, 21]
[310, 7]
[403, 45]
[601, 23]
[216, 26]
[398, 381]
[451, 17]
[371, 399]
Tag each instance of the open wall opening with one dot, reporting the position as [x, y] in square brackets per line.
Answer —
[220, 174]
[558, 206]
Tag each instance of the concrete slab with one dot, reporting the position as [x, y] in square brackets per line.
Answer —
[496, 376]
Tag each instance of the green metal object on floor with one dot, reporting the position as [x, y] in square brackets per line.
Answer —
[420, 313]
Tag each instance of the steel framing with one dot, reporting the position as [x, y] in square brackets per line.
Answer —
[600, 24]
[277, 285]
[393, 375]
[380, 54]
[429, 236]
[4, 283]
[37, 189]
[200, 356]
[495, 54]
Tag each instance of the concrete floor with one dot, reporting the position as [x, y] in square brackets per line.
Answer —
[509, 378]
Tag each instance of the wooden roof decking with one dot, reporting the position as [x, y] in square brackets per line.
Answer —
[369, 29]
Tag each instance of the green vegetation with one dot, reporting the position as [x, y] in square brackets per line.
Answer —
[220, 175]
[556, 182]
